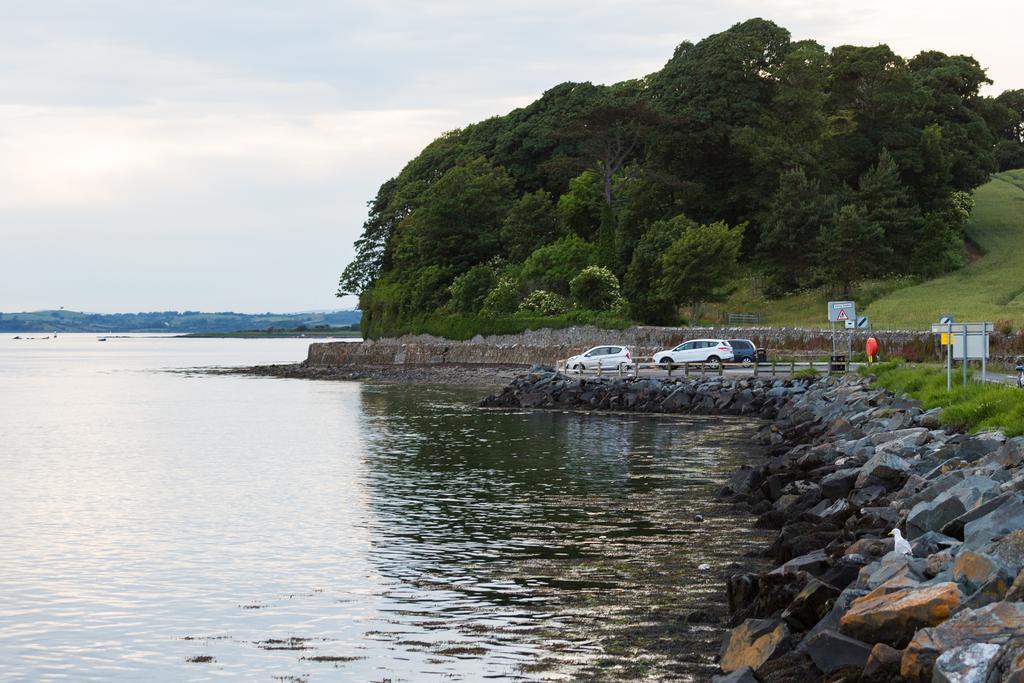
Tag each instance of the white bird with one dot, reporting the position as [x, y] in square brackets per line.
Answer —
[902, 545]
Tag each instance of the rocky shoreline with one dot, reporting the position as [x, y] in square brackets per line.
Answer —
[450, 373]
[844, 464]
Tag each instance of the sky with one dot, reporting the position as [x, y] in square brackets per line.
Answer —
[218, 154]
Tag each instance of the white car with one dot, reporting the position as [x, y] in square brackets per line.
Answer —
[605, 357]
[709, 351]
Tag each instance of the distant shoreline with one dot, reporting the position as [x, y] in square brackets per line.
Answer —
[282, 334]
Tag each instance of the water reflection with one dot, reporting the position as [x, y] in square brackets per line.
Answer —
[161, 526]
[549, 540]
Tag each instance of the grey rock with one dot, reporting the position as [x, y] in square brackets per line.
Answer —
[884, 467]
[966, 664]
[839, 483]
[830, 651]
[1001, 521]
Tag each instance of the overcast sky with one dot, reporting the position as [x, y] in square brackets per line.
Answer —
[218, 154]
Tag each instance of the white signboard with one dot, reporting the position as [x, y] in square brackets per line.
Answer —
[841, 311]
[977, 346]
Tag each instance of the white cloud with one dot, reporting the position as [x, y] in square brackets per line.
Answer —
[142, 140]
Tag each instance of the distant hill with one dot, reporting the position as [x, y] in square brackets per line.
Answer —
[182, 322]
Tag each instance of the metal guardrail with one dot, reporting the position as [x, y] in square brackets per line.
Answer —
[772, 369]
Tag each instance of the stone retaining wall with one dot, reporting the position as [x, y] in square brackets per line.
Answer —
[548, 346]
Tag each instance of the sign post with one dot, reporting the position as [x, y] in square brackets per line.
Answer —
[966, 341]
[843, 312]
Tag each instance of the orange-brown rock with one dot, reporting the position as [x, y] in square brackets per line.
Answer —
[995, 623]
[883, 663]
[894, 617]
[753, 643]
[975, 569]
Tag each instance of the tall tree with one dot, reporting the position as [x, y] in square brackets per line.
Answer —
[798, 212]
[701, 265]
[891, 213]
[459, 222]
[850, 247]
[648, 301]
[531, 222]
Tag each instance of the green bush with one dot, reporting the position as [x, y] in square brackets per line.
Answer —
[552, 266]
[542, 302]
[595, 288]
[503, 299]
[469, 289]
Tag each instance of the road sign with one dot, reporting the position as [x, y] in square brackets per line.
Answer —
[862, 322]
[945, 319]
[839, 311]
[850, 324]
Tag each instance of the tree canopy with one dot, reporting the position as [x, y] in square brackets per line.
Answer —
[805, 147]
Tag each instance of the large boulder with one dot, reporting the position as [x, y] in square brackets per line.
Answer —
[967, 664]
[839, 483]
[972, 570]
[883, 663]
[1001, 521]
[810, 605]
[1008, 664]
[831, 651]
[935, 514]
[995, 623]
[883, 467]
[753, 643]
[894, 617]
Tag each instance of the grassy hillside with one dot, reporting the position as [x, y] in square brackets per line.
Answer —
[988, 289]
[991, 288]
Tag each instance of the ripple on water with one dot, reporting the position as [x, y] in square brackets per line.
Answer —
[184, 528]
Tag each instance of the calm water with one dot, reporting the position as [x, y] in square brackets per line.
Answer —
[296, 530]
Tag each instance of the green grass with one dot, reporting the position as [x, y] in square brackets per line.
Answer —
[974, 407]
[990, 288]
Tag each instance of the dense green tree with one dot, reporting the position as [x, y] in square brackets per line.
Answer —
[850, 248]
[1012, 125]
[702, 264]
[459, 221]
[714, 135]
[887, 206]
[648, 301]
[553, 266]
[798, 212]
[531, 222]
[581, 207]
[469, 289]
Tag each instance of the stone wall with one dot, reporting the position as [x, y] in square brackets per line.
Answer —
[548, 346]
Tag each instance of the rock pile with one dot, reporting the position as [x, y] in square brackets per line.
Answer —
[845, 463]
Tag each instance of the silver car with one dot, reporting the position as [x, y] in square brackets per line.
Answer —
[604, 357]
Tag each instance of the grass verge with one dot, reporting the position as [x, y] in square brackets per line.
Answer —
[974, 407]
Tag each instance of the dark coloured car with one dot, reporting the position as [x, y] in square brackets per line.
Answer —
[744, 351]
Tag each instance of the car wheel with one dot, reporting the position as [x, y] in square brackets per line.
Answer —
[714, 362]
[578, 367]
[747, 362]
[666, 361]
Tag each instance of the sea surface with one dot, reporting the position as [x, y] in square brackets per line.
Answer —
[162, 523]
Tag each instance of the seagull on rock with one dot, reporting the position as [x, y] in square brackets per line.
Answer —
[902, 545]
